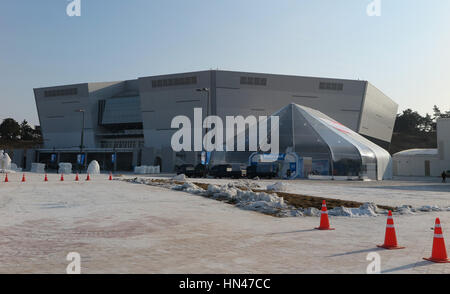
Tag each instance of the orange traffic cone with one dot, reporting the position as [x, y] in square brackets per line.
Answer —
[324, 222]
[23, 178]
[110, 176]
[6, 178]
[88, 178]
[45, 178]
[439, 253]
[62, 177]
[390, 238]
[77, 178]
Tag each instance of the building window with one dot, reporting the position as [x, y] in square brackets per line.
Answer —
[253, 81]
[121, 144]
[174, 82]
[331, 86]
[61, 92]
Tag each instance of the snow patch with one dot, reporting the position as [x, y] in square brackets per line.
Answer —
[278, 187]
[246, 183]
[367, 209]
[406, 209]
[37, 168]
[222, 192]
[429, 208]
[249, 200]
[144, 169]
[93, 168]
[65, 168]
[311, 211]
[240, 194]
[15, 168]
[180, 177]
[265, 203]
[189, 188]
[5, 161]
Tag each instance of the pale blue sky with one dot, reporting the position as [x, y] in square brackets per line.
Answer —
[404, 52]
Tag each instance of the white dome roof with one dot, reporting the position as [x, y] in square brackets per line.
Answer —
[417, 152]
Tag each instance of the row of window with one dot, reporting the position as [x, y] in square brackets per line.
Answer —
[331, 86]
[174, 82]
[121, 144]
[61, 92]
[253, 81]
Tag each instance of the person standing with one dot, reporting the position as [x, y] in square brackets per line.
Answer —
[444, 177]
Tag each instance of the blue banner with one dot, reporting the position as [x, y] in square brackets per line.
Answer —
[80, 158]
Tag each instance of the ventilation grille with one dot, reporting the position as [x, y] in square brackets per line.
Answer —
[254, 81]
[61, 92]
[174, 82]
[331, 86]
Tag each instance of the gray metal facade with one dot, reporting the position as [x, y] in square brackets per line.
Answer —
[113, 119]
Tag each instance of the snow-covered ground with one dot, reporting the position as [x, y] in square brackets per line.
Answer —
[401, 191]
[120, 227]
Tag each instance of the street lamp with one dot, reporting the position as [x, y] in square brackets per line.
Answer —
[82, 134]
[82, 129]
[209, 98]
[207, 113]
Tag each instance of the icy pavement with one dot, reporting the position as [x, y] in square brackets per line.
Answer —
[119, 227]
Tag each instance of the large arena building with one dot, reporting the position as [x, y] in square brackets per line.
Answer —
[128, 123]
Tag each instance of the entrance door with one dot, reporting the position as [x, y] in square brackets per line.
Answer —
[158, 162]
[427, 168]
[371, 170]
[307, 166]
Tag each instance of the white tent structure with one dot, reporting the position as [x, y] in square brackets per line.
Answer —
[329, 148]
[426, 162]
[417, 163]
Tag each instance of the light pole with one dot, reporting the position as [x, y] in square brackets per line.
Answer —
[207, 112]
[207, 101]
[82, 135]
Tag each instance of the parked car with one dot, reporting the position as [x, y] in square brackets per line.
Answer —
[200, 171]
[221, 171]
[187, 169]
[238, 171]
[262, 170]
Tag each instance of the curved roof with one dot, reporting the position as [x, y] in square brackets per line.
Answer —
[335, 135]
[417, 152]
[310, 133]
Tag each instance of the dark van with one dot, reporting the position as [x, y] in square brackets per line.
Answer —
[221, 171]
[186, 169]
[262, 170]
[238, 171]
